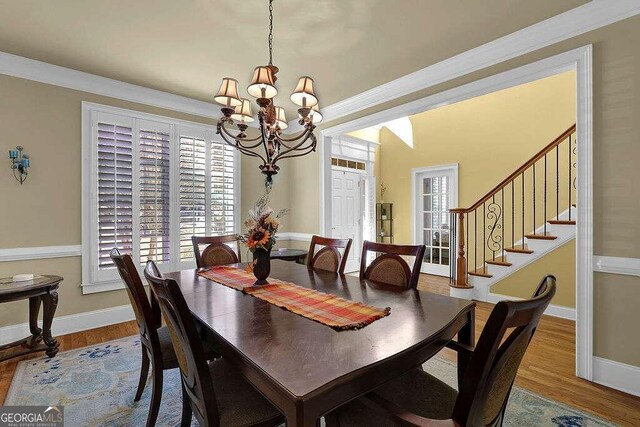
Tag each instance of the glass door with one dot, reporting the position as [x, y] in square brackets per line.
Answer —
[435, 195]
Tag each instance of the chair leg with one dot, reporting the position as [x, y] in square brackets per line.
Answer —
[144, 373]
[156, 394]
[186, 409]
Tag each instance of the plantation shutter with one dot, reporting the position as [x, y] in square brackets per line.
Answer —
[153, 191]
[151, 183]
[223, 187]
[193, 204]
[114, 189]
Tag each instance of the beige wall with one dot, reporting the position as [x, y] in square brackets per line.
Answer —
[46, 209]
[560, 262]
[616, 102]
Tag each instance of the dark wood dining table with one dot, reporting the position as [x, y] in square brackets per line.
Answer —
[305, 368]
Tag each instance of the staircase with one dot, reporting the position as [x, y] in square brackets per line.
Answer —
[529, 214]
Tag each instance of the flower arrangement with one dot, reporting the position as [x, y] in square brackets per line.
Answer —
[262, 225]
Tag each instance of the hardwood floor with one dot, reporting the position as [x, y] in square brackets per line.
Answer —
[547, 369]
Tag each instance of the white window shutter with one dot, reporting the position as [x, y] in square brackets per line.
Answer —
[192, 193]
[223, 189]
[153, 192]
[114, 190]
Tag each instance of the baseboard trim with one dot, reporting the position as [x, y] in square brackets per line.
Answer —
[39, 252]
[63, 325]
[619, 376]
[553, 310]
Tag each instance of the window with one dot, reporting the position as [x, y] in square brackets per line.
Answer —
[150, 183]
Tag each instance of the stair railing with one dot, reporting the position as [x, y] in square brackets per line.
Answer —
[491, 227]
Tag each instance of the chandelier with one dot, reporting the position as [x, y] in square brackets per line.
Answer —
[270, 145]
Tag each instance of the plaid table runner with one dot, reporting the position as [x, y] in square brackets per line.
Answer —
[330, 310]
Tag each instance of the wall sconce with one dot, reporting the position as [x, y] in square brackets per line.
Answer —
[19, 164]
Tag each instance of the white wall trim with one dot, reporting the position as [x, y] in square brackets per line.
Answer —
[40, 252]
[580, 20]
[299, 237]
[617, 265]
[580, 60]
[25, 68]
[63, 325]
[617, 375]
[552, 310]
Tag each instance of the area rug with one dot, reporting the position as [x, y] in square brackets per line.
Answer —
[96, 386]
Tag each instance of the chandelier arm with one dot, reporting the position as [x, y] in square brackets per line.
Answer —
[240, 148]
[298, 153]
[283, 154]
[295, 138]
[283, 141]
[221, 126]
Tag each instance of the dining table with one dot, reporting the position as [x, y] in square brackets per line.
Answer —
[305, 368]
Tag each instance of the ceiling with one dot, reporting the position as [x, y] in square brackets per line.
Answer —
[185, 47]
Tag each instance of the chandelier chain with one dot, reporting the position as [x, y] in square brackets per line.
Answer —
[270, 32]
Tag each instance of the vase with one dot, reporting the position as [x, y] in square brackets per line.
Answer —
[261, 265]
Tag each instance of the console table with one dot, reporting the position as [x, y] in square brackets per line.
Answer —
[42, 289]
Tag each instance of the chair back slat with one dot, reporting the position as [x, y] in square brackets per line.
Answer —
[148, 321]
[390, 267]
[194, 371]
[492, 369]
[217, 251]
[328, 258]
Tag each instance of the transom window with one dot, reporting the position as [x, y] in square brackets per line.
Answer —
[150, 183]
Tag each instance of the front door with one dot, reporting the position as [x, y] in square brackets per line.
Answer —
[435, 195]
[347, 215]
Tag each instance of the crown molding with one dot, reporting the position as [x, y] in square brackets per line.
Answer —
[580, 20]
[30, 69]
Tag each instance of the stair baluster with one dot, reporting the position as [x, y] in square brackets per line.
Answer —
[494, 221]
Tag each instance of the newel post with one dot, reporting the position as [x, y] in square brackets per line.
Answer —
[461, 261]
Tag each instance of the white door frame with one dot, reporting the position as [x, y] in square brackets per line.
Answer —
[453, 190]
[579, 60]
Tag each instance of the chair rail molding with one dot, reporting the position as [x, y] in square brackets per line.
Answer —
[572, 23]
[299, 237]
[39, 252]
[616, 265]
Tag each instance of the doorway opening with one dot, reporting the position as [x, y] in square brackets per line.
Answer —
[578, 62]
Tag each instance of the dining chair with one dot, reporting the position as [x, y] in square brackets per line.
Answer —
[154, 338]
[419, 399]
[390, 267]
[217, 251]
[328, 257]
[215, 392]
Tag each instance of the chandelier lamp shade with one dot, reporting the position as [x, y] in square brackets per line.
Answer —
[270, 145]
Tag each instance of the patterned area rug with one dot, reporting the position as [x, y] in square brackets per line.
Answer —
[96, 385]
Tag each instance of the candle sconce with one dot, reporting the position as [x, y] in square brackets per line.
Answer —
[19, 164]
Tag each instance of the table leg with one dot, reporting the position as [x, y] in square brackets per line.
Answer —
[34, 310]
[466, 336]
[302, 418]
[49, 303]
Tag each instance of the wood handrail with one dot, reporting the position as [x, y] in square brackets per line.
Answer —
[518, 171]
